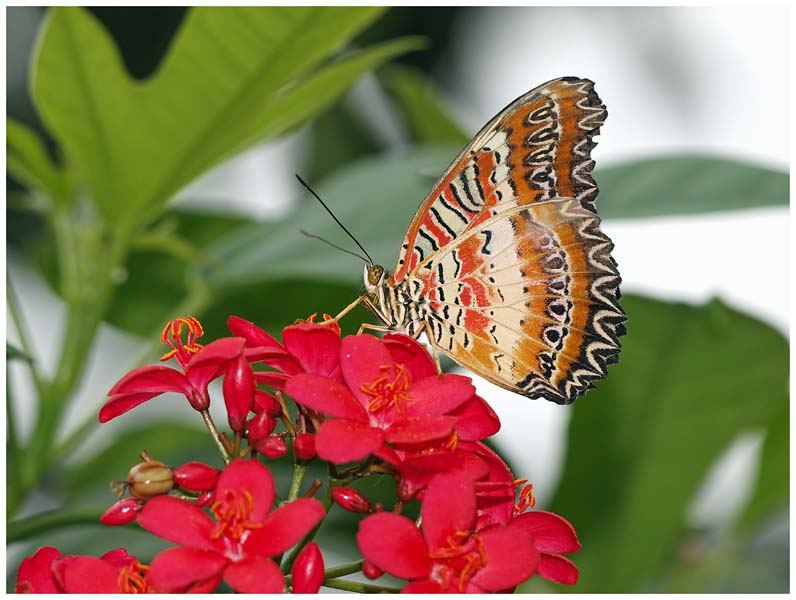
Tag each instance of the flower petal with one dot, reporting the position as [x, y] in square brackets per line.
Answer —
[342, 440]
[552, 533]
[86, 575]
[255, 575]
[177, 570]
[426, 586]
[558, 568]
[325, 396]
[118, 558]
[35, 573]
[438, 394]
[121, 403]
[255, 478]
[476, 420]
[418, 430]
[394, 544]
[510, 558]
[363, 360]
[412, 354]
[448, 507]
[180, 522]
[253, 335]
[272, 378]
[212, 360]
[284, 527]
[317, 347]
[152, 378]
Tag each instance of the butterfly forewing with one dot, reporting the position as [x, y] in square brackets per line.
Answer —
[517, 278]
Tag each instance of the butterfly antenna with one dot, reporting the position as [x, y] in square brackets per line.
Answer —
[325, 241]
[336, 220]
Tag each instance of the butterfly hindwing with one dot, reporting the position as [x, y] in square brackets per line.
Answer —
[518, 278]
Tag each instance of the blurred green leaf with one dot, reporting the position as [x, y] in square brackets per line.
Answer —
[690, 379]
[14, 353]
[772, 488]
[27, 160]
[420, 106]
[233, 76]
[165, 441]
[684, 185]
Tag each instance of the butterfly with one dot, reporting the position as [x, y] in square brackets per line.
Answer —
[504, 266]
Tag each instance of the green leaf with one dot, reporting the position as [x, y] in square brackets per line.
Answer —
[14, 353]
[689, 380]
[27, 160]
[421, 108]
[168, 442]
[684, 185]
[233, 76]
[772, 488]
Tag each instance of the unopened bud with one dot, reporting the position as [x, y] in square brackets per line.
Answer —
[272, 447]
[371, 571]
[351, 500]
[265, 402]
[149, 479]
[206, 498]
[196, 476]
[238, 389]
[122, 512]
[406, 491]
[304, 446]
[260, 426]
[307, 571]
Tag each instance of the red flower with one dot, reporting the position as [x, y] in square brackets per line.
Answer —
[238, 544]
[307, 571]
[200, 365]
[383, 404]
[50, 572]
[553, 536]
[448, 556]
[308, 348]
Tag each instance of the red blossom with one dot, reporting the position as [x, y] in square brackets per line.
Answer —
[238, 544]
[50, 572]
[553, 536]
[448, 556]
[380, 402]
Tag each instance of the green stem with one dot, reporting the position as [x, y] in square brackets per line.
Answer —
[362, 588]
[23, 529]
[211, 427]
[299, 471]
[341, 570]
[327, 504]
[24, 340]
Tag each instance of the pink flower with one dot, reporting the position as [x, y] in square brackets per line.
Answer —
[380, 403]
[448, 556]
[553, 536]
[237, 546]
[50, 572]
[308, 348]
[199, 366]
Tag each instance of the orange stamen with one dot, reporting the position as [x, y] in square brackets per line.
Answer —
[232, 512]
[172, 335]
[526, 499]
[132, 579]
[464, 556]
[388, 393]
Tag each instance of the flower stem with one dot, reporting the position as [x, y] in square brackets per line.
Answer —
[299, 471]
[211, 427]
[340, 570]
[288, 563]
[362, 588]
[236, 445]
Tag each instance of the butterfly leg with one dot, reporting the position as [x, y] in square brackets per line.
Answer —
[345, 311]
[382, 328]
[431, 343]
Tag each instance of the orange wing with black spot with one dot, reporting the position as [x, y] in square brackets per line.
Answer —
[518, 279]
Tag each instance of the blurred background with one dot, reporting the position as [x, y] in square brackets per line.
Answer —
[679, 83]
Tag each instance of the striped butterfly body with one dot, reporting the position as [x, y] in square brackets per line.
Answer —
[504, 266]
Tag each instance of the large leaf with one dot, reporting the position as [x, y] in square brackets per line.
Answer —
[684, 185]
[689, 380]
[233, 76]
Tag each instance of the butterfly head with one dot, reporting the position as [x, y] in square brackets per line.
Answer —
[374, 276]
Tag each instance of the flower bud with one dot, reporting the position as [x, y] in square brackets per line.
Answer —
[351, 500]
[122, 512]
[149, 479]
[371, 571]
[238, 391]
[304, 446]
[406, 491]
[272, 447]
[196, 476]
[307, 571]
[265, 402]
[206, 498]
[260, 426]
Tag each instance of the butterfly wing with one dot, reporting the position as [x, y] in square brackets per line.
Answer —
[518, 278]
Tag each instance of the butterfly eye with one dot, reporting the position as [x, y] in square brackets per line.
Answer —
[375, 273]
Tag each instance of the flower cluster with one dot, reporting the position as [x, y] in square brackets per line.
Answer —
[460, 520]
